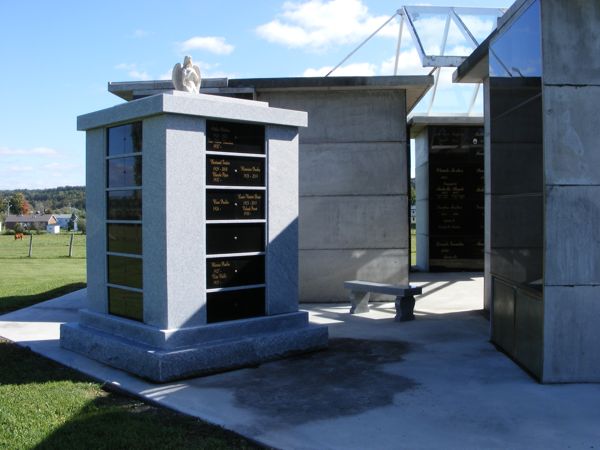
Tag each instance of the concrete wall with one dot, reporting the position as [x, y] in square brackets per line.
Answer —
[422, 187]
[353, 220]
[571, 92]
[487, 213]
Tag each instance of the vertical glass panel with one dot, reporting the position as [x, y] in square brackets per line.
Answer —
[125, 172]
[125, 271]
[124, 205]
[517, 52]
[516, 172]
[126, 304]
[125, 139]
[235, 137]
[124, 238]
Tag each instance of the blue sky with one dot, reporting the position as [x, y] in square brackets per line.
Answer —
[58, 57]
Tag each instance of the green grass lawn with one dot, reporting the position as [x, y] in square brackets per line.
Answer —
[44, 405]
[47, 274]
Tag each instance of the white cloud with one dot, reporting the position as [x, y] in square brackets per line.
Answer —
[356, 69]
[20, 168]
[133, 71]
[213, 44]
[139, 75]
[125, 66]
[409, 63]
[318, 24]
[60, 166]
[37, 167]
[167, 75]
[140, 34]
[37, 151]
[430, 29]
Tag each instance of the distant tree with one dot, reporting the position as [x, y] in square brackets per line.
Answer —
[19, 204]
[53, 198]
[81, 225]
[413, 195]
[3, 207]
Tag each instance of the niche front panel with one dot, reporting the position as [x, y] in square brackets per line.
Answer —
[235, 171]
[235, 205]
[236, 191]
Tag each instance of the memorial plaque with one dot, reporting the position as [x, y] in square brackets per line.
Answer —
[235, 137]
[235, 205]
[240, 271]
[455, 253]
[233, 305]
[456, 198]
[235, 171]
[235, 238]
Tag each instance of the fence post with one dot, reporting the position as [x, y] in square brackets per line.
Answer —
[71, 245]
[30, 244]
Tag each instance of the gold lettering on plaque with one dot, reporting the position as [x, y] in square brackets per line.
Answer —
[250, 173]
[219, 169]
[218, 203]
[250, 203]
[218, 273]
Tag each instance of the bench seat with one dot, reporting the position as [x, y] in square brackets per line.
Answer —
[360, 292]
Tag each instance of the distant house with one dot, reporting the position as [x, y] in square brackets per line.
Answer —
[64, 219]
[30, 221]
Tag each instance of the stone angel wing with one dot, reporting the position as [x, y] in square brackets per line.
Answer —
[177, 77]
[197, 70]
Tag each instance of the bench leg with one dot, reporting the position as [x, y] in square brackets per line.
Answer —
[404, 308]
[359, 301]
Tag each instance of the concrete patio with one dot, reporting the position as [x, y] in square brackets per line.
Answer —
[435, 382]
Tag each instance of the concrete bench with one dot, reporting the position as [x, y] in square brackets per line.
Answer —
[360, 292]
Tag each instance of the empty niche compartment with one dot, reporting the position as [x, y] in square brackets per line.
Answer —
[233, 305]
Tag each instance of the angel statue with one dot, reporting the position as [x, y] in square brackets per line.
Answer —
[186, 78]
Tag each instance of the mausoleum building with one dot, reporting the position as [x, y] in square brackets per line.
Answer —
[540, 70]
[354, 172]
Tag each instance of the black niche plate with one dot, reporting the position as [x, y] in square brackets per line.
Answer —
[235, 238]
[235, 205]
[231, 272]
[235, 137]
[235, 171]
[233, 305]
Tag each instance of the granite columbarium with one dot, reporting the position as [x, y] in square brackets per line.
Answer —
[192, 208]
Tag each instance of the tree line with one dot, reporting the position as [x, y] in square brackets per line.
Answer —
[60, 200]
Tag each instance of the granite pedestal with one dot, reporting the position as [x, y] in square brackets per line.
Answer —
[192, 215]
